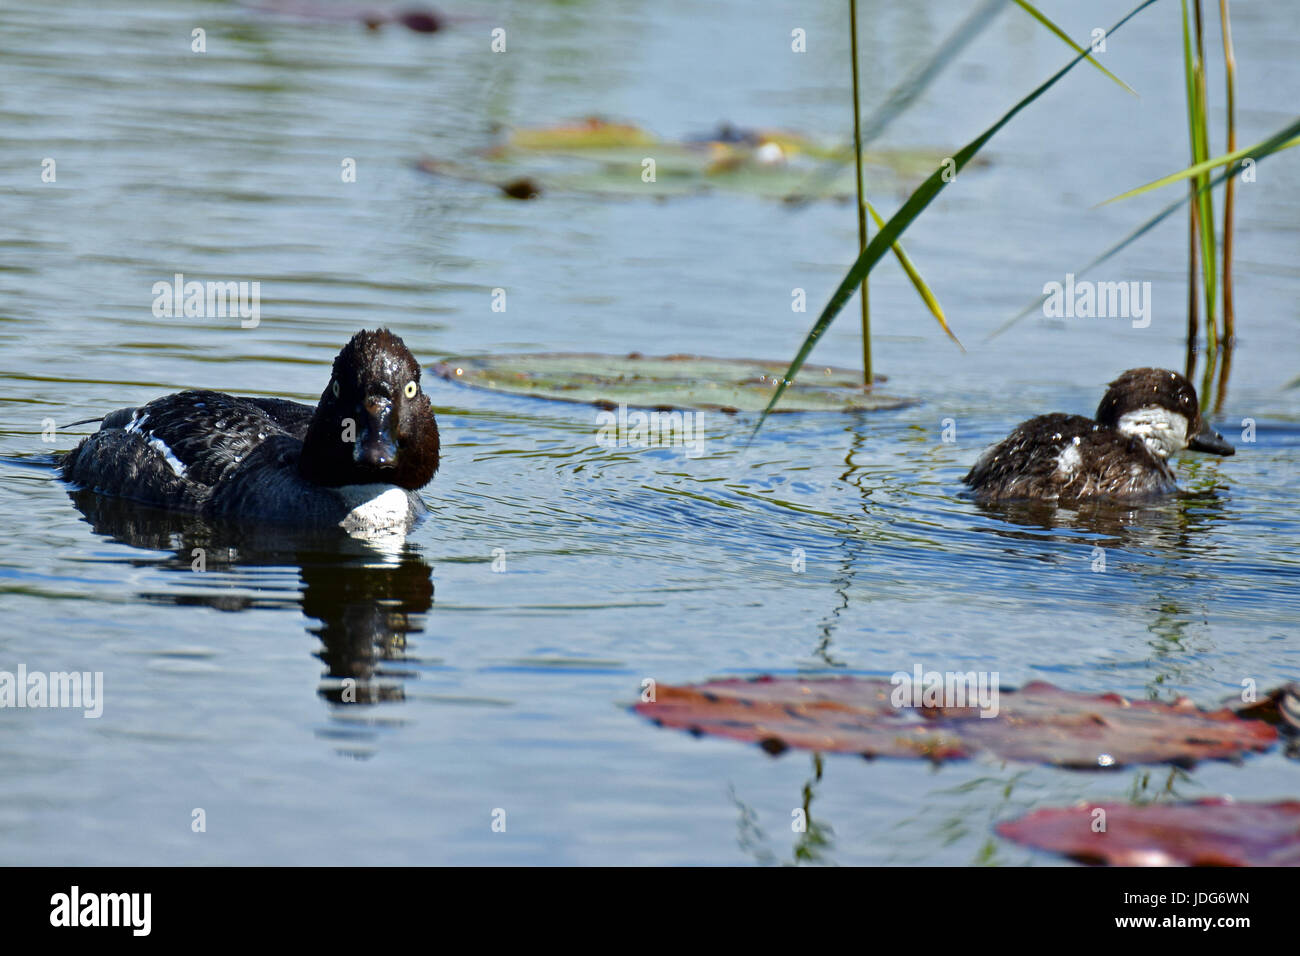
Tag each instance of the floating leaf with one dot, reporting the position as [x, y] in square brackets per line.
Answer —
[590, 133]
[844, 715]
[596, 134]
[603, 158]
[1212, 832]
[1039, 723]
[668, 382]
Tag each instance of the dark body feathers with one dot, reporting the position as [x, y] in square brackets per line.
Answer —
[1067, 456]
[1146, 415]
[219, 455]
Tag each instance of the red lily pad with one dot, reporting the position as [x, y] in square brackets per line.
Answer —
[1212, 832]
[1039, 723]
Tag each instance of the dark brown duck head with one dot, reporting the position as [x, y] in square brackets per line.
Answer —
[1159, 407]
[374, 424]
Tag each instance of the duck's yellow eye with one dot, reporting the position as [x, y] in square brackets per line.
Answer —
[410, 390]
[334, 387]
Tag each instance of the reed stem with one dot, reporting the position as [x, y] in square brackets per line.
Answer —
[862, 199]
[1229, 191]
[1193, 302]
[1206, 221]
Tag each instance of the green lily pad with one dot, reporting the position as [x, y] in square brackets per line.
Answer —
[667, 382]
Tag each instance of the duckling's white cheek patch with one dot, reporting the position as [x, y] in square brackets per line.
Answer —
[1162, 430]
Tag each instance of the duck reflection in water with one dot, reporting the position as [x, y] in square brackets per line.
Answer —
[1176, 525]
[368, 594]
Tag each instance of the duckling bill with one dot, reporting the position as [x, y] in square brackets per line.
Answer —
[355, 459]
[1146, 415]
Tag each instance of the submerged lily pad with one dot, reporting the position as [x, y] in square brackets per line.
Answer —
[1039, 723]
[667, 382]
[1213, 832]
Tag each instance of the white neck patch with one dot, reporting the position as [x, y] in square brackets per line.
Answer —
[375, 507]
[1163, 431]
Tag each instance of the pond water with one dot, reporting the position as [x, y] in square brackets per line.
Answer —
[501, 644]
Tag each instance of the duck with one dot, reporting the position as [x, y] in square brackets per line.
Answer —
[1146, 416]
[356, 459]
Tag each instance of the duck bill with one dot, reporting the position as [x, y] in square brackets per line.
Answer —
[1208, 440]
[375, 447]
